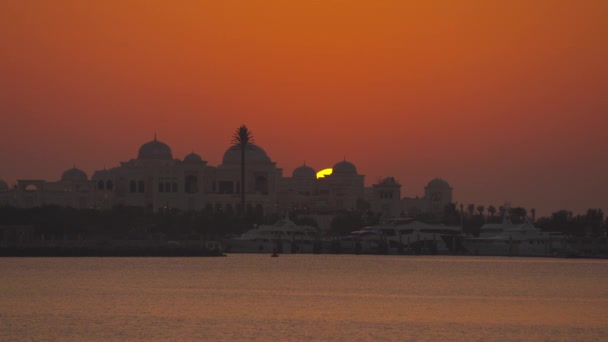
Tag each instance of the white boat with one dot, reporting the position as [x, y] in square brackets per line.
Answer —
[508, 239]
[282, 237]
[404, 235]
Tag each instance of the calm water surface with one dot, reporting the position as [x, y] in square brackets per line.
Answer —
[303, 297]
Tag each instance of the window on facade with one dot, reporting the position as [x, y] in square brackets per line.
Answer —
[261, 185]
[225, 187]
[140, 186]
[109, 185]
[167, 187]
[161, 187]
[174, 187]
[259, 210]
[132, 186]
[191, 185]
[100, 185]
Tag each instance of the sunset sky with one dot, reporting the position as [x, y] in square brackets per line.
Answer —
[505, 100]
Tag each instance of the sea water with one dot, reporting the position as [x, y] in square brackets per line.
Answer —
[302, 298]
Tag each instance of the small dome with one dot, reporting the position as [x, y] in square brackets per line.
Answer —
[388, 181]
[253, 153]
[74, 175]
[3, 186]
[438, 183]
[304, 172]
[344, 167]
[193, 157]
[155, 150]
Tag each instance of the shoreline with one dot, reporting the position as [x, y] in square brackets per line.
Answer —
[107, 252]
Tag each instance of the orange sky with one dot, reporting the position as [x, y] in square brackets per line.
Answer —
[506, 100]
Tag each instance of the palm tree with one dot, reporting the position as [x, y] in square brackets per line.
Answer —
[502, 210]
[471, 209]
[243, 138]
[480, 209]
[491, 210]
[533, 212]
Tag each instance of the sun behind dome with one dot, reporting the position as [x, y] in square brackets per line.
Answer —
[324, 172]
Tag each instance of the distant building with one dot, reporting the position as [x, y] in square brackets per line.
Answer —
[437, 194]
[386, 198]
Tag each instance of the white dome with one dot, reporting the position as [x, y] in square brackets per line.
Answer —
[155, 150]
[253, 153]
[438, 183]
[304, 172]
[344, 167]
[193, 157]
[389, 181]
[74, 175]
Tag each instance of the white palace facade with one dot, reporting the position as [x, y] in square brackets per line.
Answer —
[156, 180]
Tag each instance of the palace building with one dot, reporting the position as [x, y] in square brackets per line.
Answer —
[156, 180]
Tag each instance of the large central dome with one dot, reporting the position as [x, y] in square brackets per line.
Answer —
[155, 150]
[253, 153]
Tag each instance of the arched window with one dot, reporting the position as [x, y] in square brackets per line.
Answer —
[140, 186]
[191, 185]
[109, 185]
[132, 186]
[261, 185]
[100, 185]
[31, 187]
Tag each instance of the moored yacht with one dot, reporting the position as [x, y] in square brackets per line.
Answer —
[508, 239]
[405, 236]
[282, 237]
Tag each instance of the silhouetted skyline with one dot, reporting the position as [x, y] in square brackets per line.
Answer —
[506, 101]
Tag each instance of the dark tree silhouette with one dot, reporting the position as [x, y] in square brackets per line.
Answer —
[502, 210]
[491, 210]
[533, 213]
[480, 209]
[518, 215]
[471, 209]
[243, 138]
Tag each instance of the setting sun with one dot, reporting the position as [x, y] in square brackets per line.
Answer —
[324, 172]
